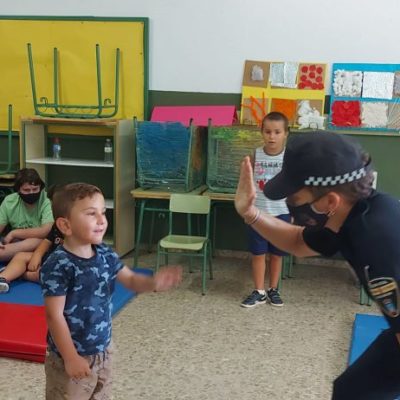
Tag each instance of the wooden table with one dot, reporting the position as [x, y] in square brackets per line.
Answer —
[216, 196]
[143, 196]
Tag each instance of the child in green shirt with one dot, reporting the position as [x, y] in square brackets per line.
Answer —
[28, 214]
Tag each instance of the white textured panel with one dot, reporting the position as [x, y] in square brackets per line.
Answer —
[374, 115]
[378, 85]
[283, 74]
[257, 73]
[347, 83]
[290, 72]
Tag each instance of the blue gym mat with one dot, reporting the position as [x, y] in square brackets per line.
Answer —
[366, 328]
[24, 292]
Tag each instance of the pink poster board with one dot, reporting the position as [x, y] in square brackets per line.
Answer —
[220, 115]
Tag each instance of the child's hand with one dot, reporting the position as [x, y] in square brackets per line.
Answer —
[9, 238]
[34, 264]
[77, 367]
[167, 278]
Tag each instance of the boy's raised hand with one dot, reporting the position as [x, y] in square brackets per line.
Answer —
[167, 278]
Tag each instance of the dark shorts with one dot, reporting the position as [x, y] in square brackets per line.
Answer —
[258, 245]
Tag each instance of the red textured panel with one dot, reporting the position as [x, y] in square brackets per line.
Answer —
[311, 76]
[346, 113]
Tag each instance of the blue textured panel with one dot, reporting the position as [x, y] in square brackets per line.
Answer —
[363, 67]
[170, 155]
[366, 67]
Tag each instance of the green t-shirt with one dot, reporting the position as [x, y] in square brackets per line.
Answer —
[14, 212]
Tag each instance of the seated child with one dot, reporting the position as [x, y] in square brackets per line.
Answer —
[27, 264]
[78, 280]
[27, 212]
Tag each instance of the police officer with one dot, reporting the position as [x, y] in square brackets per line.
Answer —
[326, 179]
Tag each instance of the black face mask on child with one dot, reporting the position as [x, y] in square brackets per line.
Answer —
[306, 215]
[30, 198]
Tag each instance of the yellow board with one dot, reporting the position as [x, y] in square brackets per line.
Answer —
[76, 40]
[290, 94]
[279, 93]
[264, 94]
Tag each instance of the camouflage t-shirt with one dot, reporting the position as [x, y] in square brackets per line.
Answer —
[88, 284]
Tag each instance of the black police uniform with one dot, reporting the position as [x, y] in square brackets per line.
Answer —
[369, 240]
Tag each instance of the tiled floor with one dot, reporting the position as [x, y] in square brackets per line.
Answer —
[181, 345]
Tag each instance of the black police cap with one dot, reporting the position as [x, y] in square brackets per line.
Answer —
[319, 159]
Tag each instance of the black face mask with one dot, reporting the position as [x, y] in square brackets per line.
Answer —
[306, 215]
[30, 198]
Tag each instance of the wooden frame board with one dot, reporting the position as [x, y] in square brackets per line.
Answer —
[393, 115]
[76, 39]
[268, 95]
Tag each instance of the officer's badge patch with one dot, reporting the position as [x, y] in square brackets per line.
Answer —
[385, 292]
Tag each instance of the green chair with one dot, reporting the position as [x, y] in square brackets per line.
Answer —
[192, 246]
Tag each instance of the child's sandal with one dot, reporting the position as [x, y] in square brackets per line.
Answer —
[4, 285]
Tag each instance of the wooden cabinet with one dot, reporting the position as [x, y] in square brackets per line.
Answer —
[82, 160]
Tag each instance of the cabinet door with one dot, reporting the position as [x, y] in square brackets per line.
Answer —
[124, 182]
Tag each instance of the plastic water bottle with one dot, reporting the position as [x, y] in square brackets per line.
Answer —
[56, 149]
[108, 151]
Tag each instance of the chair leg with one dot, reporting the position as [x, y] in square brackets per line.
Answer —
[153, 214]
[281, 275]
[158, 257]
[139, 233]
[204, 272]
[209, 254]
[190, 264]
[364, 297]
[284, 272]
[166, 257]
[287, 267]
[214, 228]
[290, 267]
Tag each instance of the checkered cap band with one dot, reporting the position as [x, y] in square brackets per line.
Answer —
[335, 180]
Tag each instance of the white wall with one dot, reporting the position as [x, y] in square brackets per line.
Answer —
[201, 45]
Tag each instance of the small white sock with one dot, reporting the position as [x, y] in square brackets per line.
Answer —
[261, 291]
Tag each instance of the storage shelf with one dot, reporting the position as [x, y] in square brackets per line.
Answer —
[115, 181]
[109, 203]
[108, 240]
[71, 162]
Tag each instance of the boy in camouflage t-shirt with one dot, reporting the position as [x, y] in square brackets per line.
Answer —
[78, 281]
